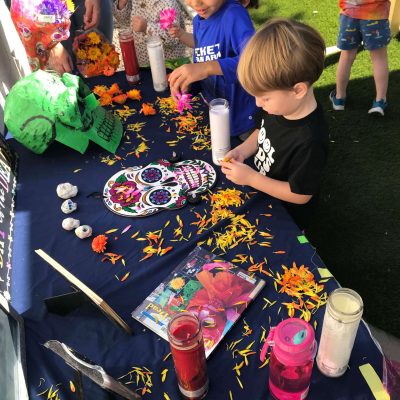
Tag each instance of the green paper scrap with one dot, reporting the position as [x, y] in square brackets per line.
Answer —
[374, 383]
[325, 273]
[302, 239]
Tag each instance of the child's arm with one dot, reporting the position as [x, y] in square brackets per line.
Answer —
[242, 174]
[237, 31]
[185, 37]
[182, 77]
[122, 12]
[153, 25]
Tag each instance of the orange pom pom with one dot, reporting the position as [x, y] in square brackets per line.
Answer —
[99, 243]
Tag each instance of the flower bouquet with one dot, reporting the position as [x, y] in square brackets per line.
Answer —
[94, 54]
[41, 24]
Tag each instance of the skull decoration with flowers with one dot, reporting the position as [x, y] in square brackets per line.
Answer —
[43, 107]
[161, 185]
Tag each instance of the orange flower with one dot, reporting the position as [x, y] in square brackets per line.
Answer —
[105, 99]
[114, 89]
[113, 58]
[100, 90]
[81, 54]
[106, 48]
[91, 70]
[108, 70]
[94, 38]
[134, 94]
[99, 243]
[148, 109]
[120, 99]
[93, 53]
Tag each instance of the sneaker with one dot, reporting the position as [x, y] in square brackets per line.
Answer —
[337, 104]
[378, 107]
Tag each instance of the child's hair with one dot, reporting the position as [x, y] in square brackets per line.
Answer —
[250, 3]
[280, 54]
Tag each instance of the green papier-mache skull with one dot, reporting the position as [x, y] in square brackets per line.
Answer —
[43, 107]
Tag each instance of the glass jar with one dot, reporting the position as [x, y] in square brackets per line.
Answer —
[342, 318]
[292, 358]
[129, 57]
[187, 348]
[219, 129]
[157, 63]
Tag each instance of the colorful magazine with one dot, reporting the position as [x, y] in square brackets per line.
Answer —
[216, 291]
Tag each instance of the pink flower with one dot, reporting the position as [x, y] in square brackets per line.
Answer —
[184, 101]
[167, 18]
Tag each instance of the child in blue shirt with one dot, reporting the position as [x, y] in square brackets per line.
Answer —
[221, 29]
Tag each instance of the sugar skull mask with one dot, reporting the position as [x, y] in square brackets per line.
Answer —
[43, 107]
[142, 191]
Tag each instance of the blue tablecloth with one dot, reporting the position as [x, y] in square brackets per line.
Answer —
[38, 225]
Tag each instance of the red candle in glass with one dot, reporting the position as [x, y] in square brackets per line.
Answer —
[187, 347]
[129, 57]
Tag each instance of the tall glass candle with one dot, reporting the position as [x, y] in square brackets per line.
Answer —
[187, 348]
[220, 129]
[157, 63]
[129, 57]
[342, 317]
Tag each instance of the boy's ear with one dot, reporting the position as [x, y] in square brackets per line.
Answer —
[300, 89]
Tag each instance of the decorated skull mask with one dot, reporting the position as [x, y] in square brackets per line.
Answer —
[43, 107]
[142, 191]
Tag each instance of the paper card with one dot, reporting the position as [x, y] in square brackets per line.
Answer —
[374, 382]
[325, 273]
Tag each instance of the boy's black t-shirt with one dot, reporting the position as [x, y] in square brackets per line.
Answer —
[294, 151]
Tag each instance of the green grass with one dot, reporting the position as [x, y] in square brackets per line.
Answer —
[357, 228]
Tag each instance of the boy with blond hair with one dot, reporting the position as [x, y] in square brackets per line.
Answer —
[279, 66]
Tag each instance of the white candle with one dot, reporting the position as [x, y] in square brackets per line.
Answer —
[220, 129]
[157, 63]
[341, 320]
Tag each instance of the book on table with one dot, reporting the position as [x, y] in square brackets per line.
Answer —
[216, 291]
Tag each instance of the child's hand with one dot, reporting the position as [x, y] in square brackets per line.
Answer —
[139, 24]
[175, 31]
[180, 79]
[234, 154]
[122, 4]
[237, 172]
[60, 60]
